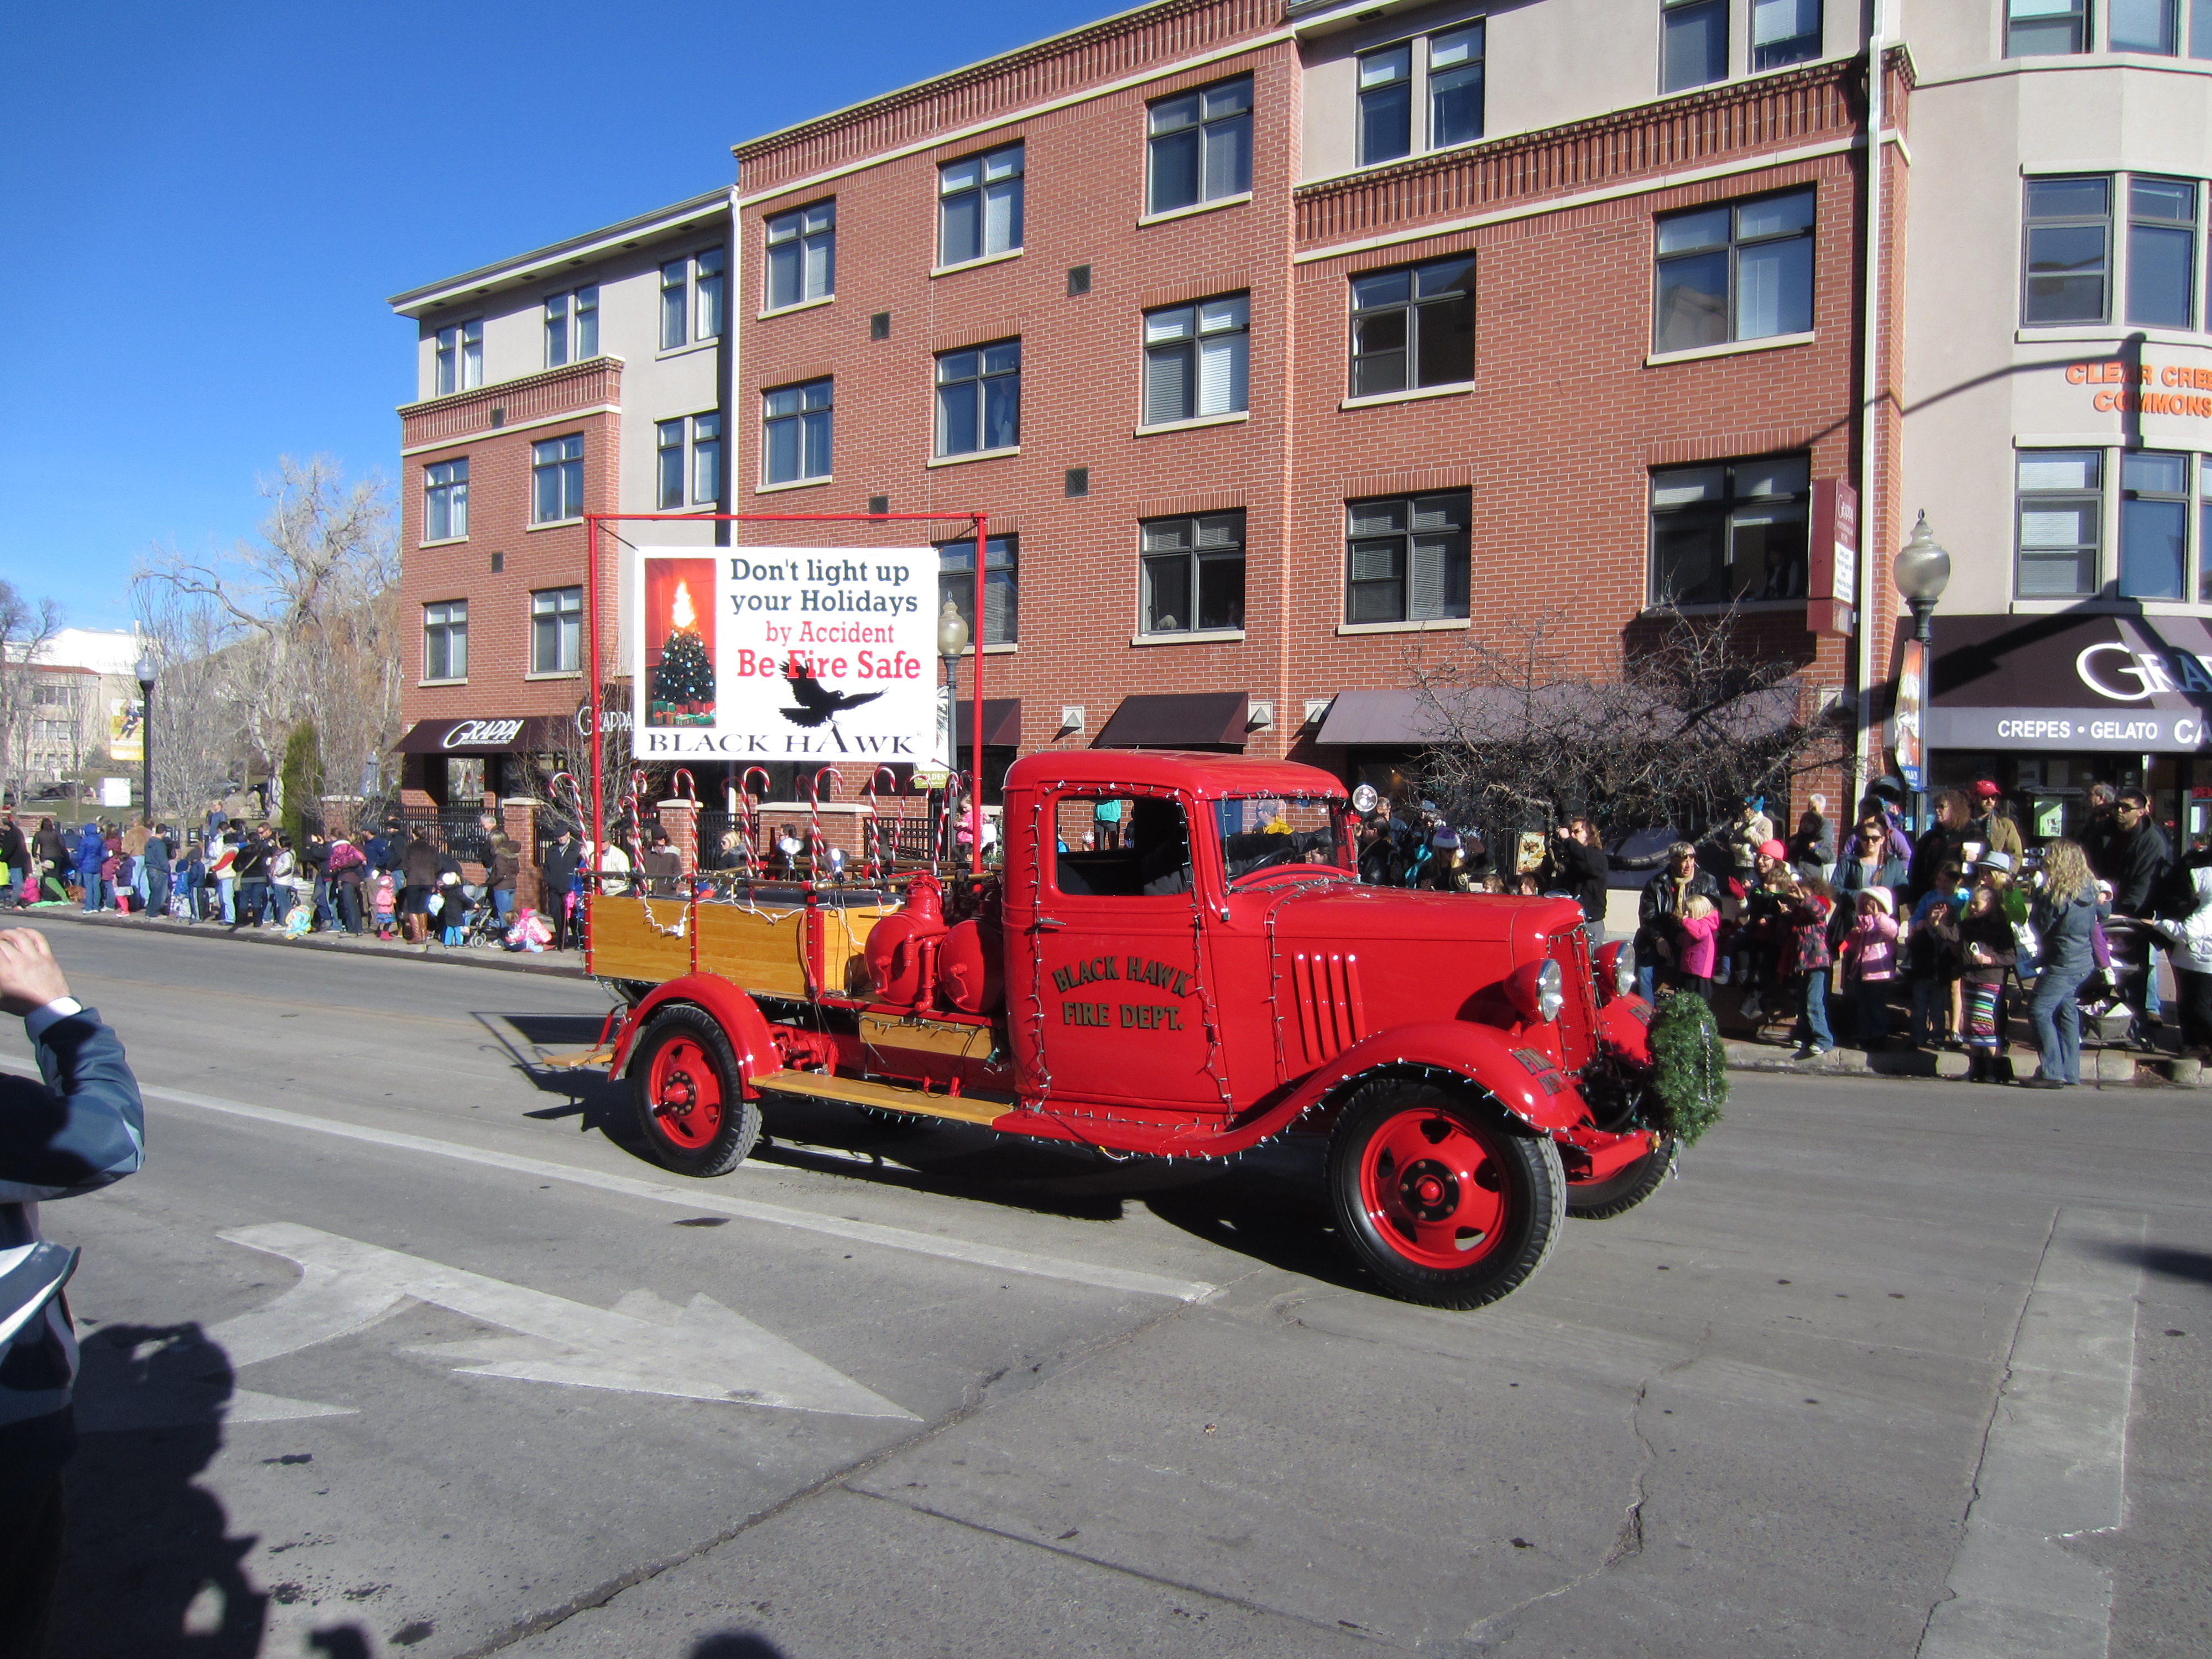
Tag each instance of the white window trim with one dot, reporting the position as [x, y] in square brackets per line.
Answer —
[973, 455]
[1450, 389]
[1232, 418]
[785, 311]
[1219, 201]
[556, 674]
[707, 344]
[444, 541]
[1730, 348]
[970, 265]
[552, 523]
[2113, 338]
[1195, 636]
[1426, 625]
[794, 484]
[462, 681]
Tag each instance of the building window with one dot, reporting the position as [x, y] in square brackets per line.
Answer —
[979, 206]
[1783, 32]
[707, 459]
[1413, 327]
[675, 304]
[2200, 28]
[956, 586]
[797, 420]
[2204, 530]
[1455, 86]
[1195, 360]
[572, 326]
[557, 630]
[1386, 103]
[1201, 146]
[1729, 531]
[2061, 518]
[446, 501]
[1194, 575]
[1405, 558]
[1694, 49]
[2144, 26]
[802, 255]
[2043, 29]
[2154, 526]
[556, 479]
[979, 398]
[2069, 250]
[709, 288]
[460, 357]
[446, 640]
[669, 457]
[2161, 252]
[1740, 272]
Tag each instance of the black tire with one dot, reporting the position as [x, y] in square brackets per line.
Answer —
[1617, 1194]
[717, 1141]
[1463, 1144]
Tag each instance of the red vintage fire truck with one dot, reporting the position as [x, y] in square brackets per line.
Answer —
[1175, 957]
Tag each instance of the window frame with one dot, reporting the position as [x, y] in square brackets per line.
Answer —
[1733, 248]
[670, 463]
[795, 231]
[1723, 510]
[1414, 304]
[1196, 555]
[955, 577]
[554, 458]
[445, 498]
[1420, 90]
[948, 193]
[1772, 55]
[2175, 24]
[2127, 582]
[799, 419]
[2143, 230]
[1707, 9]
[1231, 125]
[566, 614]
[447, 623]
[2107, 273]
[457, 362]
[990, 385]
[571, 318]
[1237, 335]
[2015, 23]
[1406, 537]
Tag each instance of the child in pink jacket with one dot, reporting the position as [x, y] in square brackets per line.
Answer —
[1871, 963]
[1695, 945]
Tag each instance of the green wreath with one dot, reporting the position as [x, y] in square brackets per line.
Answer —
[1689, 1082]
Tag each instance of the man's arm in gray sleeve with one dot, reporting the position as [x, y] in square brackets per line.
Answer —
[83, 1127]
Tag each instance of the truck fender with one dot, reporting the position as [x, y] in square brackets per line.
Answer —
[737, 1013]
[1534, 1090]
[1625, 1023]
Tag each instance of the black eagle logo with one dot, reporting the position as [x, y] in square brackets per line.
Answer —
[817, 702]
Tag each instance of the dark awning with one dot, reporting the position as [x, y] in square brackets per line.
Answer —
[501, 734]
[1410, 718]
[1379, 718]
[1002, 722]
[2129, 684]
[1179, 720]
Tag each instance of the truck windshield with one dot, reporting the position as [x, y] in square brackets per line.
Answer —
[1267, 832]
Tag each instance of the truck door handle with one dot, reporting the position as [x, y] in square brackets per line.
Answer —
[1045, 924]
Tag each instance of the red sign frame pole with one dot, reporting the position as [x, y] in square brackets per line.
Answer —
[593, 520]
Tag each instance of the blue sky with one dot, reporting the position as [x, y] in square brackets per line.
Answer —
[205, 205]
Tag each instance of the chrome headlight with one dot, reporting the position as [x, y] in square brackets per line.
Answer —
[1551, 994]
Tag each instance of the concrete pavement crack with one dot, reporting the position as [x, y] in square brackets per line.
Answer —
[645, 1571]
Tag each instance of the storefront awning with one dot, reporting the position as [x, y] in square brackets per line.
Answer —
[1379, 720]
[501, 734]
[1180, 719]
[1002, 722]
[2124, 684]
[1410, 718]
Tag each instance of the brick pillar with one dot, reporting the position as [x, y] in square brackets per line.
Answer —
[341, 814]
[518, 819]
[680, 818]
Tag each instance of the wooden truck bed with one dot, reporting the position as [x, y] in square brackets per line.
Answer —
[772, 946]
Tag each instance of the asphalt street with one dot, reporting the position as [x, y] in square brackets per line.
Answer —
[398, 1346]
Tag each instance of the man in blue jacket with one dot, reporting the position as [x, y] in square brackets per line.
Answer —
[84, 1127]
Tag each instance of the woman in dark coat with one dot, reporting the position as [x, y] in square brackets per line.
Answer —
[418, 877]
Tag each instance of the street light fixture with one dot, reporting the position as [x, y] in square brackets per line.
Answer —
[951, 642]
[144, 670]
[1922, 570]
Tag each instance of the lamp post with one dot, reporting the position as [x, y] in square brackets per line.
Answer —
[1922, 570]
[144, 670]
[952, 641]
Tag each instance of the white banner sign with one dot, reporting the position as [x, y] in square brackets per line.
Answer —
[785, 654]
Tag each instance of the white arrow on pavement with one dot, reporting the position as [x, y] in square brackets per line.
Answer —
[643, 1346]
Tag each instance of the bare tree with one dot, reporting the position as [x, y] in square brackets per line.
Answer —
[1698, 716]
[300, 625]
[26, 630]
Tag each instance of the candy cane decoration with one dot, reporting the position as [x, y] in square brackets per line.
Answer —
[683, 784]
[751, 832]
[875, 837]
[814, 818]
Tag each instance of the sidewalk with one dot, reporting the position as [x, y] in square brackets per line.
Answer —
[557, 964]
[2100, 1067]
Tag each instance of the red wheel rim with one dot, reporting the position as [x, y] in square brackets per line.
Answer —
[686, 1091]
[1433, 1191]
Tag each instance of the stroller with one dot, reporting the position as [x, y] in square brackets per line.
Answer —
[484, 928]
[2111, 998]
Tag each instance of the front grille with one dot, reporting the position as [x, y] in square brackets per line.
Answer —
[1332, 1013]
[1570, 948]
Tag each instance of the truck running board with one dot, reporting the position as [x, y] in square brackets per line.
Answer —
[887, 1096]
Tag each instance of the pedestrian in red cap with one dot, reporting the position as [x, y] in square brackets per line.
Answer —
[1992, 824]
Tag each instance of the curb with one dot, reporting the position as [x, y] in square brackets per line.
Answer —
[2100, 1067]
[496, 962]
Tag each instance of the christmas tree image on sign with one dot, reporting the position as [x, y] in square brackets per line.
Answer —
[680, 667]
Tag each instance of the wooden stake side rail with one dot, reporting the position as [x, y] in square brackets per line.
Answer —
[890, 1096]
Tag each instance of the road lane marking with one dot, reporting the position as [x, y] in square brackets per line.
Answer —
[643, 1346]
[2054, 1464]
[698, 1198]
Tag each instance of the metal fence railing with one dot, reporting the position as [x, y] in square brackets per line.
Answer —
[461, 833]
